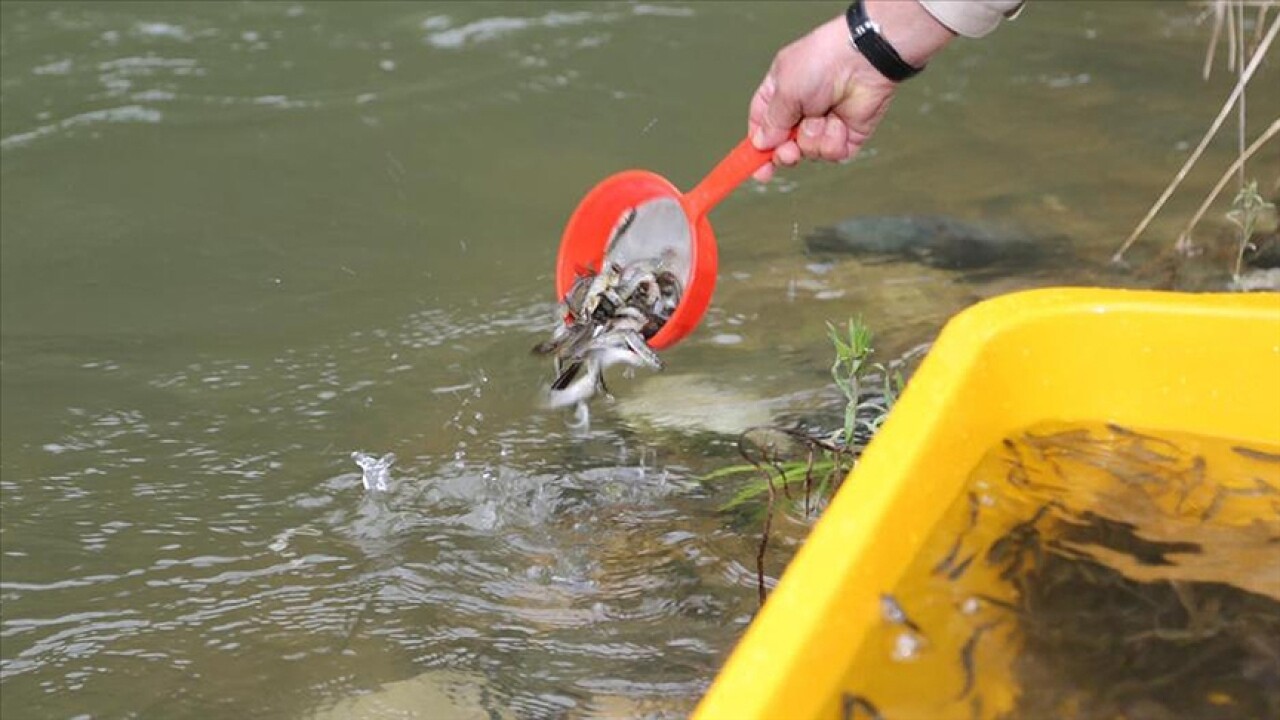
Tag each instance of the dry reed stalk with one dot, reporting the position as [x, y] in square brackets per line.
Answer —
[1231, 36]
[1222, 182]
[1240, 134]
[1258, 55]
[1216, 8]
[764, 539]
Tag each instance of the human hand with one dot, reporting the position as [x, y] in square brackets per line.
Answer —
[824, 85]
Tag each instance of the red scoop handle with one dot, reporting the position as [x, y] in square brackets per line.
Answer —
[740, 164]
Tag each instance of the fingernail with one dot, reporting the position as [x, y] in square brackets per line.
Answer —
[809, 128]
[757, 138]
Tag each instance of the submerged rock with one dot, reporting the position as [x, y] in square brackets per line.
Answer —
[933, 240]
[691, 403]
[433, 695]
[1257, 281]
[1263, 250]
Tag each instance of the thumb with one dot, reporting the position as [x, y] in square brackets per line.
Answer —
[780, 115]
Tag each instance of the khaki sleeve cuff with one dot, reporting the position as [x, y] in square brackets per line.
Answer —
[972, 18]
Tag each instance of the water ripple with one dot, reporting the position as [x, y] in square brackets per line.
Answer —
[116, 115]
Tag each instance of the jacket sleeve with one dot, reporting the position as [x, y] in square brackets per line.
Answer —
[972, 18]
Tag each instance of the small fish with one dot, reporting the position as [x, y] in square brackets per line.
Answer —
[958, 570]
[607, 318]
[946, 563]
[624, 224]
[601, 298]
[851, 703]
[564, 336]
[626, 346]
[1255, 454]
[576, 384]
[1021, 536]
[997, 602]
[894, 613]
[642, 280]
[967, 659]
[581, 379]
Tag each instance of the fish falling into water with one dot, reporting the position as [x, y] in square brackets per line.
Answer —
[607, 318]
[377, 471]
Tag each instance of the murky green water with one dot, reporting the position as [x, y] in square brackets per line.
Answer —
[242, 241]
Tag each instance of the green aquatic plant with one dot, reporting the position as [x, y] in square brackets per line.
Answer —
[817, 474]
[1246, 209]
[869, 391]
[795, 460]
[852, 351]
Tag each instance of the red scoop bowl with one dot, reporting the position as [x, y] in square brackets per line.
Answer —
[582, 246]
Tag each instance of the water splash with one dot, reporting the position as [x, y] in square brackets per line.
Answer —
[377, 471]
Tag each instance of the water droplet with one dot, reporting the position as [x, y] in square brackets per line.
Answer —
[907, 646]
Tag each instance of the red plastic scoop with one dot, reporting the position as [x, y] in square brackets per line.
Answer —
[666, 219]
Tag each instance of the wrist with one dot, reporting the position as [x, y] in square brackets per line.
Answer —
[912, 30]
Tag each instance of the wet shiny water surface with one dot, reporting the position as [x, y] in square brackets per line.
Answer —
[243, 242]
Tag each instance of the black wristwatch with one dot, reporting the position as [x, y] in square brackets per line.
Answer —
[866, 37]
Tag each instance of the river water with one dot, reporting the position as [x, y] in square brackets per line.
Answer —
[244, 241]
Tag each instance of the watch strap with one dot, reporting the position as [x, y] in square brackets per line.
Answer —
[865, 36]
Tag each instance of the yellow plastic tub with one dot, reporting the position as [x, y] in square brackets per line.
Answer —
[1207, 364]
